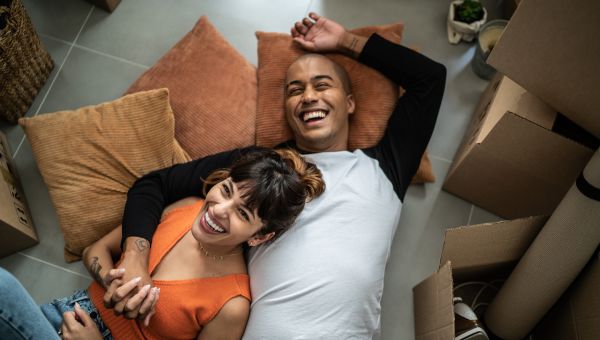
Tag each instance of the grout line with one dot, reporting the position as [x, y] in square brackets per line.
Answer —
[55, 266]
[56, 76]
[471, 214]
[440, 158]
[112, 56]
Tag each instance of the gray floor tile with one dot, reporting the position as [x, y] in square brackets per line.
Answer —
[59, 18]
[58, 51]
[143, 30]
[481, 215]
[89, 78]
[50, 248]
[426, 213]
[43, 282]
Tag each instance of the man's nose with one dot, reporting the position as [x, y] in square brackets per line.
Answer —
[310, 95]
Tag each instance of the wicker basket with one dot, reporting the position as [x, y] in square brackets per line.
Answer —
[24, 63]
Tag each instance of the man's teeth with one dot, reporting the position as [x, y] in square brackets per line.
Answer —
[313, 114]
[213, 225]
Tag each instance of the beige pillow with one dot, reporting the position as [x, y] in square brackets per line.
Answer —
[213, 91]
[89, 158]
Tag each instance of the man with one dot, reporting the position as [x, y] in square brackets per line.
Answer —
[324, 278]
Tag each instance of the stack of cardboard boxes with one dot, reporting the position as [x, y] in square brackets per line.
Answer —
[16, 226]
[535, 128]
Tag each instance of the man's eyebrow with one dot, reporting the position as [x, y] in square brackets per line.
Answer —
[232, 188]
[317, 77]
[322, 76]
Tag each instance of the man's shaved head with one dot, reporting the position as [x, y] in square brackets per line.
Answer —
[339, 71]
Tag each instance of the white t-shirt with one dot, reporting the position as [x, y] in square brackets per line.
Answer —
[323, 278]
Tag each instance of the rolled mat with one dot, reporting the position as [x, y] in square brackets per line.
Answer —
[552, 262]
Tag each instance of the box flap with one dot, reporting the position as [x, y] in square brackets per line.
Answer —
[489, 248]
[512, 97]
[550, 47]
[516, 139]
[433, 306]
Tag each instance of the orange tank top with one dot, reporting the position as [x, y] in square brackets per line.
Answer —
[185, 306]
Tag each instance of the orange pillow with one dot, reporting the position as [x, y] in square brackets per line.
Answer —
[212, 89]
[375, 95]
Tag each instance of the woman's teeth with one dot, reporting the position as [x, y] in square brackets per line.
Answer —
[212, 224]
[313, 114]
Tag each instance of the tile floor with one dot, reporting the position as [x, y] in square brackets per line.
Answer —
[97, 56]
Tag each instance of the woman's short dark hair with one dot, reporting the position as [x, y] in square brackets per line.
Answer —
[276, 182]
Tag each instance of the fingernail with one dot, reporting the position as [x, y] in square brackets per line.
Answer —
[77, 305]
[121, 270]
[137, 279]
[145, 288]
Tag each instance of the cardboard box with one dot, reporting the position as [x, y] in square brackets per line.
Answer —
[16, 227]
[551, 48]
[511, 162]
[490, 251]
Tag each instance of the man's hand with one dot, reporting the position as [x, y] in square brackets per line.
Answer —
[135, 263]
[78, 325]
[319, 34]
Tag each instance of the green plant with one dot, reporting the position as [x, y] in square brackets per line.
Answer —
[469, 11]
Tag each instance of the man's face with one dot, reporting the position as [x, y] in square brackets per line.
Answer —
[317, 105]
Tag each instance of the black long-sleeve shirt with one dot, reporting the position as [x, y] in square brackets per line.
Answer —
[398, 152]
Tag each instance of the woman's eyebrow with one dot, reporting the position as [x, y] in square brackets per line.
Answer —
[233, 188]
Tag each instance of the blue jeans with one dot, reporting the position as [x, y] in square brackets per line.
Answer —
[22, 318]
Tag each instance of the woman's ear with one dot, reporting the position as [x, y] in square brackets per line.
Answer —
[260, 239]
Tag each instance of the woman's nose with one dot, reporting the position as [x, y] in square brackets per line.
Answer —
[220, 209]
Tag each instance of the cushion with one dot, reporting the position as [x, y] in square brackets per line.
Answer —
[212, 88]
[375, 95]
[89, 158]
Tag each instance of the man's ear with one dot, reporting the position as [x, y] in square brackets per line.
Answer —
[351, 104]
[260, 239]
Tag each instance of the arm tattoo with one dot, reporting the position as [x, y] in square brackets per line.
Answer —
[95, 268]
[142, 245]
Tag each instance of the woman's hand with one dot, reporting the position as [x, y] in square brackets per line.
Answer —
[318, 34]
[78, 325]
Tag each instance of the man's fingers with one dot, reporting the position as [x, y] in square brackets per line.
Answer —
[307, 23]
[83, 316]
[108, 296]
[114, 274]
[307, 45]
[314, 16]
[301, 28]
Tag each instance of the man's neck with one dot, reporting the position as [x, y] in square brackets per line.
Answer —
[307, 148]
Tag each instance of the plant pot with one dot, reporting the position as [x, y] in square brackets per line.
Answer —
[488, 36]
[458, 30]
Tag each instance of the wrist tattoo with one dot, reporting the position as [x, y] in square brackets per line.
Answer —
[142, 245]
[353, 43]
[95, 268]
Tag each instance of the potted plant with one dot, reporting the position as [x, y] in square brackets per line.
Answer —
[465, 17]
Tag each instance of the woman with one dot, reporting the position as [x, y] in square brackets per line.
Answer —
[197, 257]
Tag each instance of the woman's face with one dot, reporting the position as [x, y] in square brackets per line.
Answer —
[225, 220]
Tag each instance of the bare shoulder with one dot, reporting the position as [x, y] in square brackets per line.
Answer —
[181, 203]
[236, 309]
[230, 322]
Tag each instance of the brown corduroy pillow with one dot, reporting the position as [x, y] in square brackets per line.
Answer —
[212, 88]
[375, 95]
[90, 157]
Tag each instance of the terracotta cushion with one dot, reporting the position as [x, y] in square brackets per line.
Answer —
[90, 157]
[375, 95]
[212, 88]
